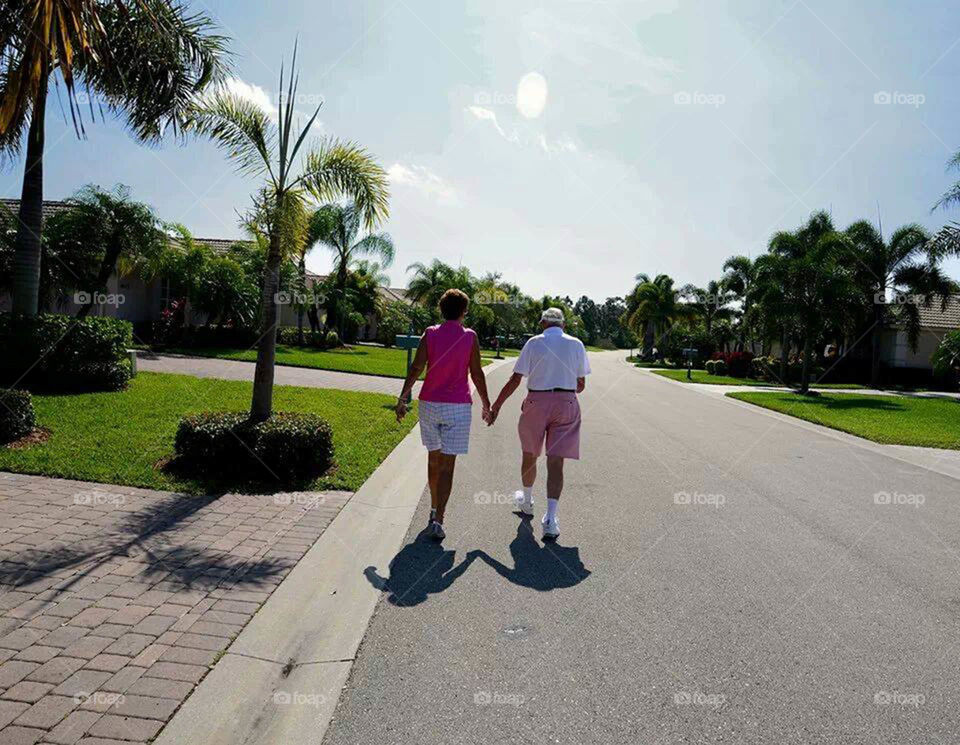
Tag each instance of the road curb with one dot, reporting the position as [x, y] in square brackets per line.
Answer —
[281, 678]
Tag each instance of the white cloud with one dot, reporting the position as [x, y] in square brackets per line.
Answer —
[529, 137]
[425, 181]
[256, 95]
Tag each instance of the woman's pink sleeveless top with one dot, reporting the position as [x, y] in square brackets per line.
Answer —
[449, 347]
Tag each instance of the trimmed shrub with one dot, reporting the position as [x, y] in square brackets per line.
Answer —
[288, 445]
[17, 417]
[66, 353]
[333, 339]
[719, 367]
[711, 367]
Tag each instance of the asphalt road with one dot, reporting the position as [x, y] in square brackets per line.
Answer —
[722, 576]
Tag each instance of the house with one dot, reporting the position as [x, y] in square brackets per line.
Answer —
[132, 299]
[935, 322]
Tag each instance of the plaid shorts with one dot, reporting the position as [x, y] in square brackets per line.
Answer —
[445, 427]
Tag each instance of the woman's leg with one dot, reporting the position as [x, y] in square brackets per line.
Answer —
[445, 468]
[433, 479]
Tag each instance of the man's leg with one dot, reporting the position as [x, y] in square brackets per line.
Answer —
[554, 477]
[445, 465]
[528, 470]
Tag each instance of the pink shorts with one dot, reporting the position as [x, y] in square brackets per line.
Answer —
[554, 415]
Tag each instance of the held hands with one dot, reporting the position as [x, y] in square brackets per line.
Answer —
[490, 414]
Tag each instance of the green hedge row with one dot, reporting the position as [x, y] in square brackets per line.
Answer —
[286, 445]
[65, 353]
[17, 417]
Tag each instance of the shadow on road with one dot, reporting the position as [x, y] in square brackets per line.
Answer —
[539, 566]
[421, 568]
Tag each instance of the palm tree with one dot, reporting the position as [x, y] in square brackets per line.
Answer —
[652, 308]
[709, 303]
[770, 304]
[145, 60]
[430, 282]
[274, 151]
[905, 264]
[337, 226]
[739, 275]
[817, 280]
[106, 228]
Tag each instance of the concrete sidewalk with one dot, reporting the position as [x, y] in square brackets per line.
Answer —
[209, 367]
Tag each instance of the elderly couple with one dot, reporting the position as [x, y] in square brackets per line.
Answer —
[555, 366]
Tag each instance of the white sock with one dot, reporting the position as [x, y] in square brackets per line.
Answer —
[552, 505]
[528, 494]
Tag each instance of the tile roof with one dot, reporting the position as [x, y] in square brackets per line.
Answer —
[938, 317]
[50, 207]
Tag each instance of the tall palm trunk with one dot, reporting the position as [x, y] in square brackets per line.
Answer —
[303, 286]
[807, 354]
[342, 303]
[648, 338]
[877, 338]
[27, 248]
[784, 355]
[262, 404]
[107, 267]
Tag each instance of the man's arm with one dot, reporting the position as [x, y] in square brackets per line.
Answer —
[416, 368]
[581, 384]
[507, 391]
[478, 376]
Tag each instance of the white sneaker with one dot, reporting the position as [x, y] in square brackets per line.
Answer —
[551, 528]
[522, 504]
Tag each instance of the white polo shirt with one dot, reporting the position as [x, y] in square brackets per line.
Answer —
[553, 360]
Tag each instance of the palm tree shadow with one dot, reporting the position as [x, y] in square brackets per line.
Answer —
[420, 569]
[539, 566]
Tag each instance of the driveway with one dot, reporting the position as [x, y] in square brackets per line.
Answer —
[723, 575]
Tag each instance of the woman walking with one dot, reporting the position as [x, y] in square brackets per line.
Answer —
[450, 353]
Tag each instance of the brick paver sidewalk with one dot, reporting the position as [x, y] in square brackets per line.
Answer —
[116, 601]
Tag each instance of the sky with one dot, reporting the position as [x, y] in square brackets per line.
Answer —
[569, 145]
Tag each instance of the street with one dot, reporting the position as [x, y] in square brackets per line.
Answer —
[721, 576]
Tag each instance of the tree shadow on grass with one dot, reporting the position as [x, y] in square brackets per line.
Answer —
[257, 480]
[147, 535]
[877, 403]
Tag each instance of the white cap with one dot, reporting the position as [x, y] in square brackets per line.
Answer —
[552, 315]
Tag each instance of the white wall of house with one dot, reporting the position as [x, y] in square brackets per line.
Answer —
[896, 350]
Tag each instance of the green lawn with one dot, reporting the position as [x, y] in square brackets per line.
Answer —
[898, 420]
[361, 359]
[119, 438]
[702, 376]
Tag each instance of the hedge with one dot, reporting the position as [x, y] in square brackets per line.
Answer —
[66, 353]
[17, 417]
[288, 445]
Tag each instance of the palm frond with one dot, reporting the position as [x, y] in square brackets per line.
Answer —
[337, 168]
[239, 127]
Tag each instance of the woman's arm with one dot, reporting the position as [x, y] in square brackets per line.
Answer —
[478, 376]
[416, 368]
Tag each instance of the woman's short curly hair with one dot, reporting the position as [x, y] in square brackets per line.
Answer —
[454, 304]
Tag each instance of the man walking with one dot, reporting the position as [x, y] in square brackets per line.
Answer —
[555, 366]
